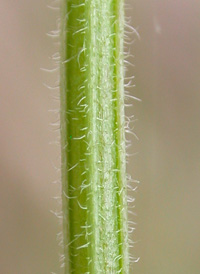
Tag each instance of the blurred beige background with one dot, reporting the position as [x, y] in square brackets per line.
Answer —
[167, 79]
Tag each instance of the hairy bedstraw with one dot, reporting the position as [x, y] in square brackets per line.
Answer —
[94, 180]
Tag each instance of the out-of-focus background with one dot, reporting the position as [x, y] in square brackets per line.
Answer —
[167, 159]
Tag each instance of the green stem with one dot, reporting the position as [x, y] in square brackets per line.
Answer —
[93, 138]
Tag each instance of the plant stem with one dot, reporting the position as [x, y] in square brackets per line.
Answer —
[93, 137]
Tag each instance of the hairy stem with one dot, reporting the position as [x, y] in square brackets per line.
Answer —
[93, 138]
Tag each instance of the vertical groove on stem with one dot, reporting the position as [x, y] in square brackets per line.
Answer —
[92, 137]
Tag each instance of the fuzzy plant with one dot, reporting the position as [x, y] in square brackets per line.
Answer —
[94, 187]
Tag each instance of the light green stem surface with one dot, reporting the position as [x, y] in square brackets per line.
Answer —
[93, 138]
